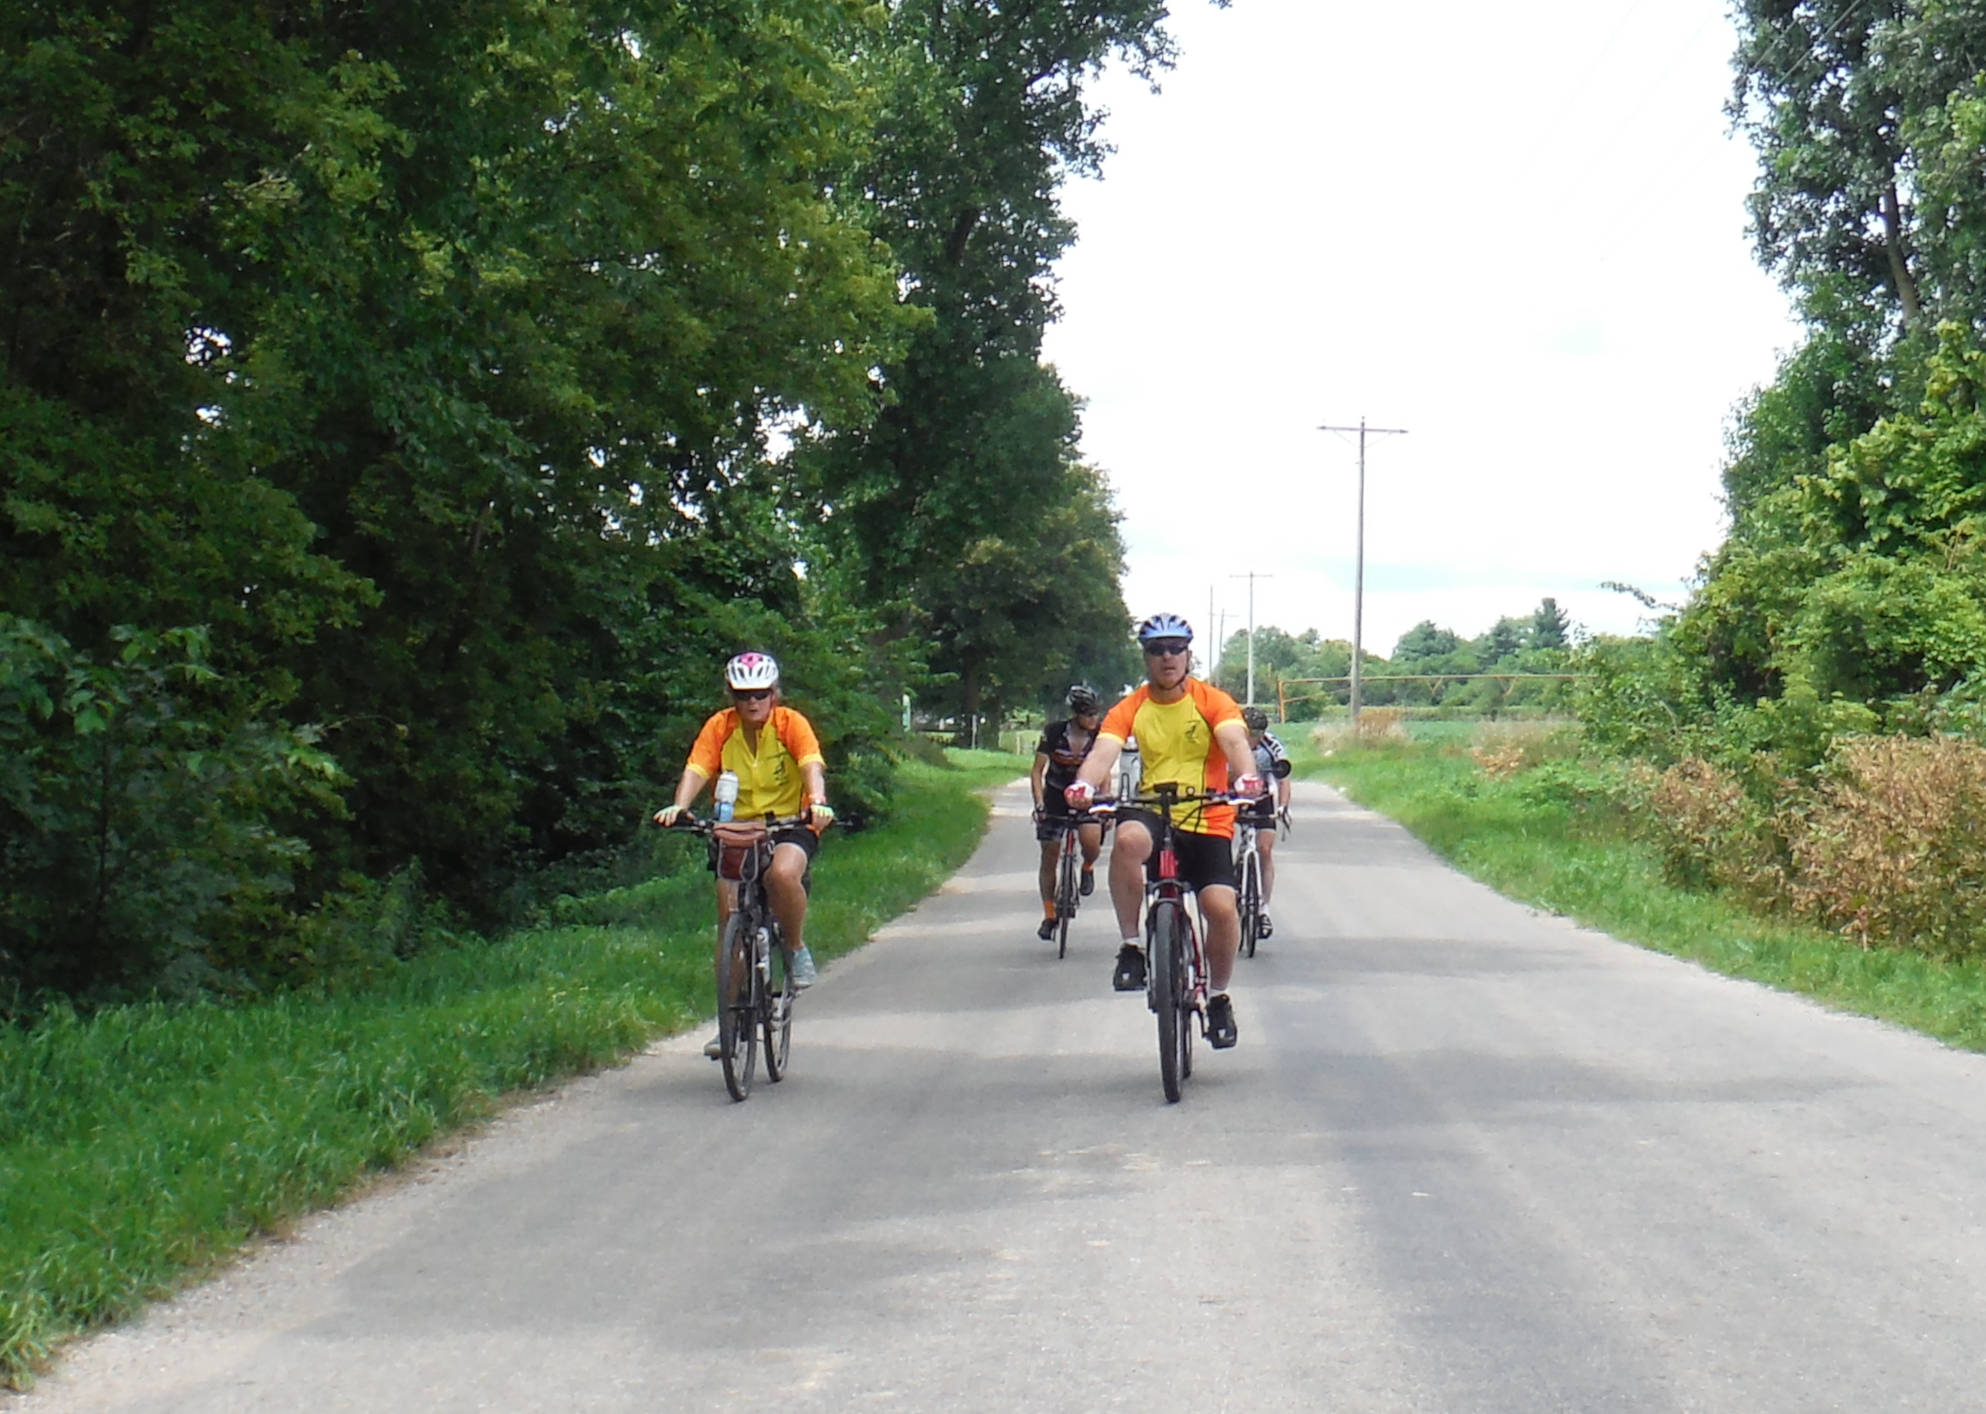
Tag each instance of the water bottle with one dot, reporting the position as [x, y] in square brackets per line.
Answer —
[725, 793]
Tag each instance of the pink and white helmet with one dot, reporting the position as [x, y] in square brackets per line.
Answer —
[751, 670]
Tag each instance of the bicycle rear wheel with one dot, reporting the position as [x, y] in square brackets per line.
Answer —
[777, 1014]
[739, 988]
[1065, 893]
[1173, 1037]
[1251, 901]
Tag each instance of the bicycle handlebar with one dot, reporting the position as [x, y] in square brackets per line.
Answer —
[697, 825]
[1110, 805]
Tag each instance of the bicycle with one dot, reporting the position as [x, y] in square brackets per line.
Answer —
[1176, 955]
[1068, 875]
[753, 1003]
[1248, 882]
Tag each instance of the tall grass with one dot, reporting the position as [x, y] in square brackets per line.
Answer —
[1559, 835]
[142, 1144]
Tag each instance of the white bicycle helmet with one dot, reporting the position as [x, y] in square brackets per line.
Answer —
[1164, 626]
[752, 670]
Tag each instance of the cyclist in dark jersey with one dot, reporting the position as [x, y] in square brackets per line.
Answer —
[1057, 758]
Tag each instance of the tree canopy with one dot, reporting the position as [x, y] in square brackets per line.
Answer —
[402, 414]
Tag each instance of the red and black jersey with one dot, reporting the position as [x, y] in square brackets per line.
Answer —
[1064, 760]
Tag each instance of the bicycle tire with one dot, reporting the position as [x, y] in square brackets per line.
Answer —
[1186, 990]
[1163, 959]
[739, 988]
[1251, 901]
[1065, 893]
[777, 1014]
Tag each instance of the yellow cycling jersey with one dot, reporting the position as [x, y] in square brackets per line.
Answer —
[768, 769]
[1176, 744]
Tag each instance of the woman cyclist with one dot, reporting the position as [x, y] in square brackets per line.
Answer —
[777, 758]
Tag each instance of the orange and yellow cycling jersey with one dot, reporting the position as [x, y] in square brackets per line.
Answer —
[768, 769]
[1176, 743]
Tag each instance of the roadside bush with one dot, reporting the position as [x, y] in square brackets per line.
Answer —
[146, 840]
[1890, 846]
[1597, 791]
[1505, 749]
[1377, 727]
[1713, 834]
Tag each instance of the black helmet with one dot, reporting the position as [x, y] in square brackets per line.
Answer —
[1083, 699]
[1255, 719]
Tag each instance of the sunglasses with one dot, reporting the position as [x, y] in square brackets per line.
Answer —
[1165, 647]
[751, 694]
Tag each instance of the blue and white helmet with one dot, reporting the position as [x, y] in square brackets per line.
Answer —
[1164, 626]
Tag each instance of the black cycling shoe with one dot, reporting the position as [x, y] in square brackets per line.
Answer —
[1263, 927]
[1220, 1022]
[1130, 973]
[1046, 930]
[1088, 886]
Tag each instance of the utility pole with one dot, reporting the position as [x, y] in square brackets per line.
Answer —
[1251, 577]
[1358, 581]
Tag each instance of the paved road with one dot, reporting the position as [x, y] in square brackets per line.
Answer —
[1465, 1158]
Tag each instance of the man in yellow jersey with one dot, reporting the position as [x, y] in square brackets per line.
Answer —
[774, 753]
[1189, 733]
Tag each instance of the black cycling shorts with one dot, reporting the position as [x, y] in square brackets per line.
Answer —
[1205, 861]
[786, 834]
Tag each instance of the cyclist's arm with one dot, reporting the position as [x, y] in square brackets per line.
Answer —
[690, 786]
[1232, 738]
[1097, 765]
[1038, 777]
[815, 777]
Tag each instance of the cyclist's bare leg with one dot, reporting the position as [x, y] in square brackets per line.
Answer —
[1223, 919]
[727, 902]
[1050, 852]
[1092, 840]
[1265, 845]
[1127, 876]
[787, 894]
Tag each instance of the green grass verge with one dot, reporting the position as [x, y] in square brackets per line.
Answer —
[1542, 846]
[143, 1145]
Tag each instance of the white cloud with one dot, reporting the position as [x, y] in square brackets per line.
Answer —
[1516, 231]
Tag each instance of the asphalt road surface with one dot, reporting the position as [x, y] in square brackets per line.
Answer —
[1465, 1158]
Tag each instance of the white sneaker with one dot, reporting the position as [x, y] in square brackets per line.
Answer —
[800, 971]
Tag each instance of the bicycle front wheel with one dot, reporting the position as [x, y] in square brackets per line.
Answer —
[1065, 893]
[739, 988]
[777, 1012]
[1251, 901]
[1174, 1025]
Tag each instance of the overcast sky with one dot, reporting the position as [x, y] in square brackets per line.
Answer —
[1516, 230]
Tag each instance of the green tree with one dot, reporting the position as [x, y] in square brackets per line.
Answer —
[1549, 625]
[409, 358]
[938, 508]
